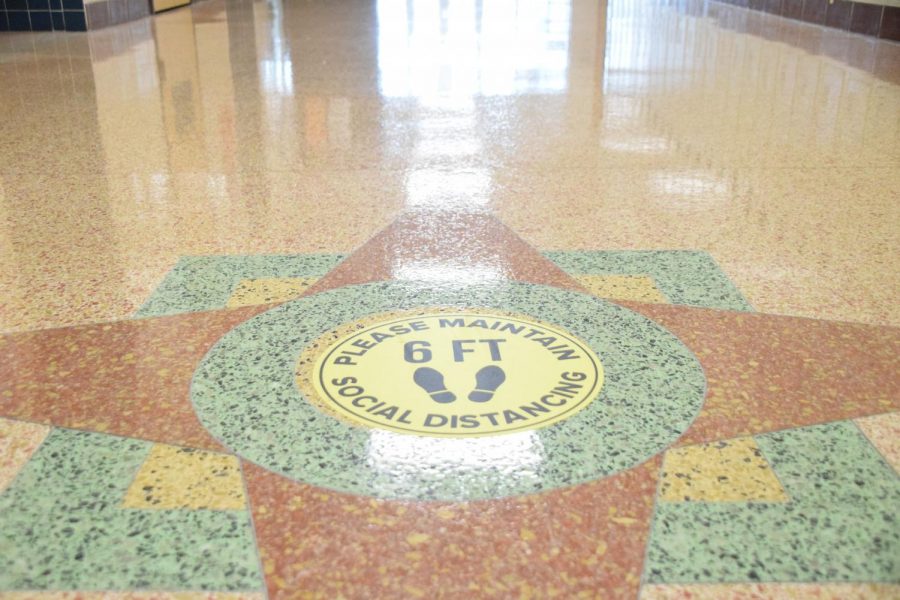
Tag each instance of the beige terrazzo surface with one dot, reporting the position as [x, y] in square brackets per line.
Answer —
[216, 130]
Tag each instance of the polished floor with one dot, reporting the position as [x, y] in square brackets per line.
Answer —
[450, 299]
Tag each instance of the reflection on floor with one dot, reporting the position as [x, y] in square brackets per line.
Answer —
[516, 299]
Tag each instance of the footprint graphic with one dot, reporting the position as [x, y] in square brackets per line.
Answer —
[487, 380]
[432, 382]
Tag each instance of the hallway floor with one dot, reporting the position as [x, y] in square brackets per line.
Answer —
[450, 299]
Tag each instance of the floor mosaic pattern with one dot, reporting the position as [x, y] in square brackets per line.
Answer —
[717, 496]
[451, 299]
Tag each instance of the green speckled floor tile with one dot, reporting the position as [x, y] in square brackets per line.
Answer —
[688, 277]
[840, 524]
[206, 282]
[62, 527]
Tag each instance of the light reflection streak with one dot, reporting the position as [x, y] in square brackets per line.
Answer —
[276, 70]
[501, 47]
[445, 55]
[516, 455]
[435, 189]
[460, 272]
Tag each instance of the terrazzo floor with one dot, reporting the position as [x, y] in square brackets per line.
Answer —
[377, 299]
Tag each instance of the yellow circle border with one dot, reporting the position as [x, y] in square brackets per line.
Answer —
[328, 403]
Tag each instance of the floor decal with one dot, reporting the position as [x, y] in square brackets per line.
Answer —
[376, 377]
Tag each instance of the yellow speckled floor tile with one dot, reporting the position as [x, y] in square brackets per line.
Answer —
[265, 291]
[639, 288]
[18, 441]
[884, 433]
[174, 477]
[727, 471]
[772, 591]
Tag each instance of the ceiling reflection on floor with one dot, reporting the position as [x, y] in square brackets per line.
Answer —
[439, 49]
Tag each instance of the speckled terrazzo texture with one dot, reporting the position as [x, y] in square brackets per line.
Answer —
[18, 441]
[270, 290]
[279, 127]
[779, 193]
[154, 595]
[765, 373]
[441, 247]
[727, 471]
[653, 388]
[130, 378]
[884, 433]
[172, 477]
[768, 372]
[839, 525]
[208, 282]
[639, 288]
[578, 541]
[772, 591]
[685, 277]
[62, 527]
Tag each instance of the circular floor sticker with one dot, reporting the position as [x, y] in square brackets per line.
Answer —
[462, 409]
[457, 374]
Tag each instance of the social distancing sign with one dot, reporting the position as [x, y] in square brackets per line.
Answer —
[456, 374]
